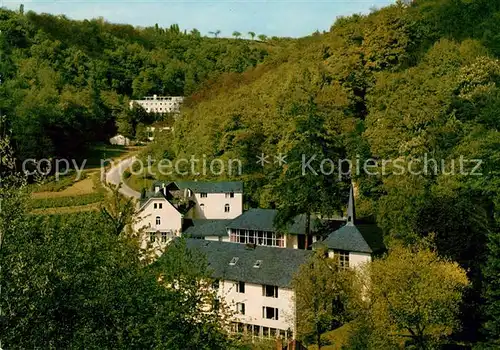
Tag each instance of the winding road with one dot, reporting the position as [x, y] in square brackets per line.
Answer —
[114, 176]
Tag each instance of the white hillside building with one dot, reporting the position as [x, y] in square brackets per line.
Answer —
[253, 263]
[210, 200]
[174, 205]
[352, 242]
[160, 104]
[255, 281]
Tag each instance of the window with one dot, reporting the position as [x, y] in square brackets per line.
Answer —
[152, 237]
[163, 237]
[257, 237]
[257, 264]
[226, 208]
[155, 205]
[270, 313]
[240, 308]
[203, 195]
[234, 261]
[343, 258]
[240, 287]
[158, 220]
[202, 207]
[215, 284]
[160, 205]
[230, 195]
[270, 291]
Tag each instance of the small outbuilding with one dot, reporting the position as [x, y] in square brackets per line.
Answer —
[119, 140]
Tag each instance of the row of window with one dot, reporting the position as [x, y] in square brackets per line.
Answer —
[228, 195]
[267, 290]
[272, 239]
[163, 236]
[260, 331]
[227, 209]
[269, 313]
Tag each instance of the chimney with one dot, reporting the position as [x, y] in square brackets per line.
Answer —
[250, 246]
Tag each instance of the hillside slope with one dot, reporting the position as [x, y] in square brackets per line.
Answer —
[405, 84]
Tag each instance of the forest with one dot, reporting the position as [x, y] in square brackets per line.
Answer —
[67, 84]
[406, 82]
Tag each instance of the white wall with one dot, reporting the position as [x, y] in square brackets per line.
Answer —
[170, 218]
[358, 259]
[254, 301]
[160, 104]
[214, 205]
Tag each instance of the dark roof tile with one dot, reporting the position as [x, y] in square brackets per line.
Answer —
[277, 268]
[199, 228]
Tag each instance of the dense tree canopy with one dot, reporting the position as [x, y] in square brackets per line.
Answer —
[66, 83]
[412, 87]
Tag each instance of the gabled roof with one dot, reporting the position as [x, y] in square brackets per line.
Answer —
[349, 238]
[158, 195]
[277, 268]
[198, 228]
[205, 187]
[263, 220]
[354, 237]
[150, 196]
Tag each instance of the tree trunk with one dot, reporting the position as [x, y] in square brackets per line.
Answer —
[308, 229]
[318, 338]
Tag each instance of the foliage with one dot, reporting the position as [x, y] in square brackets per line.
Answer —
[57, 202]
[402, 84]
[67, 84]
[71, 282]
[322, 297]
[412, 294]
[492, 292]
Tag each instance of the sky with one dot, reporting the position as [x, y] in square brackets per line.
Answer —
[286, 18]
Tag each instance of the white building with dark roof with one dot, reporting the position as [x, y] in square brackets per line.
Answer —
[354, 243]
[172, 206]
[160, 104]
[256, 282]
[254, 263]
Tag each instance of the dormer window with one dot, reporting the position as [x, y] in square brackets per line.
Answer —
[257, 264]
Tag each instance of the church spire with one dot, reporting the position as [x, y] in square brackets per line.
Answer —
[351, 210]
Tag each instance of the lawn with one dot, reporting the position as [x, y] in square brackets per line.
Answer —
[334, 339]
[137, 182]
